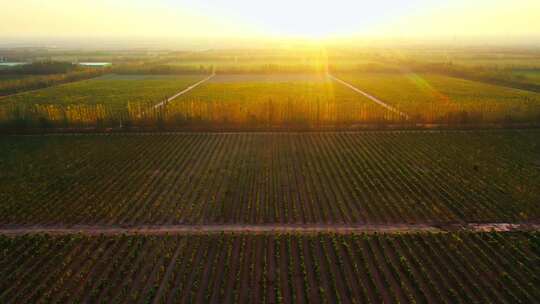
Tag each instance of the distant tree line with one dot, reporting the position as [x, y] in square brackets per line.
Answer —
[40, 68]
[37, 81]
[161, 69]
[216, 116]
[492, 75]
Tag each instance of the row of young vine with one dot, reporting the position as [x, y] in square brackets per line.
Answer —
[260, 178]
[460, 267]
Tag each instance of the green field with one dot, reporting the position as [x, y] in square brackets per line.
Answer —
[434, 98]
[486, 59]
[116, 91]
[489, 62]
[226, 101]
[271, 101]
[5, 78]
[270, 152]
[273, 66]
[250, 268]
[269, 180]
[532, 77]
[364, 177]
[276, 100]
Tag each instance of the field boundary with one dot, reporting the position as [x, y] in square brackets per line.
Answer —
[389, 129]
[48, 87]
[184, 91]
[264, 228]
[369, 96]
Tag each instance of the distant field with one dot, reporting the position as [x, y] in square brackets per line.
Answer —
[532, 77]
[488, 62]
[4, 78]
[271, 101]
[250, 268]
[270, 180]
[515, 62]
[365, 177]
[226, 101]
[254, 66]
[290, 65]
[475, 58]
[113, 90]
[435, 97]
[258, 79]
[147, 77]
[307, 99]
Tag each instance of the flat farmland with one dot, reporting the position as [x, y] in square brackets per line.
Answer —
[527, 76]
[6, 78]
[298, 64]
[255, 178]
[271, 102]
[277, 100]
[515, 62]
[272, 268]
[488, 60]
[115, 91]
[436, 98]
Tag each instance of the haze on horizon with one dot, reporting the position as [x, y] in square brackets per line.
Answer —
[303, 19]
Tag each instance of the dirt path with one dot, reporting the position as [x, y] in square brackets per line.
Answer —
[371, 97]
[191, 87]
[263, 228]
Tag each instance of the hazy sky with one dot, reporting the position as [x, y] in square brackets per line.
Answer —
[277, 18]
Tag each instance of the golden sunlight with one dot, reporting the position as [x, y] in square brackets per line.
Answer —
[279, 18]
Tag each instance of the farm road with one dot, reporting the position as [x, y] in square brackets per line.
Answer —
[191, 87]
[371, 97]
[263, 228]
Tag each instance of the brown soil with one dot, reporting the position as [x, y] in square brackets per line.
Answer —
[262, 228]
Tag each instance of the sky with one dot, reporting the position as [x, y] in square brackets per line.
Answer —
[311, 19]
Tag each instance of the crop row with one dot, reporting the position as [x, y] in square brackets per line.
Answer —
[272, 268]
[365, 177]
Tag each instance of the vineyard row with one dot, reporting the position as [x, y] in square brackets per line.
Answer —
[279, 268]
[257, 178]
